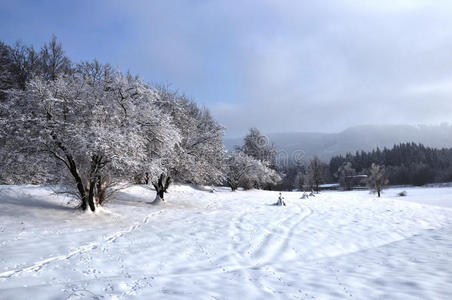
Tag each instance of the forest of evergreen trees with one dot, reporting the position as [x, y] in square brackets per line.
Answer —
[406, 163]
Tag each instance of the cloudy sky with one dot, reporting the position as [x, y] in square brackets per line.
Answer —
[277, 65]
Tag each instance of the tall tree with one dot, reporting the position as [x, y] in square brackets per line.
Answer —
[199, 155]
[259, 147]
[315, 173]
[54, 61]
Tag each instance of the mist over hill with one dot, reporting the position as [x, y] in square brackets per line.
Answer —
[364, 137]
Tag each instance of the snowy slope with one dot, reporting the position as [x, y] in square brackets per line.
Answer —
[224, 245]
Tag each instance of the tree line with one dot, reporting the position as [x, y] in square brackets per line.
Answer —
[405, 163]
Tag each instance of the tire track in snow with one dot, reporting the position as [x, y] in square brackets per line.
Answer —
[284, 245]
[35, 267]
[237, 259]
[235, 226]
[276, 243]
[264, 251]
[255, 243]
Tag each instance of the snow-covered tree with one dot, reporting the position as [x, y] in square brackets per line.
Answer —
[199, 156]
[377, 179]
[96, 132]
[95, 72]
[245, 171]
[258, 146]
[264, 176]
[237, 167]
[100, 127]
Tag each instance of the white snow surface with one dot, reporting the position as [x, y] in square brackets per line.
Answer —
[227, 245]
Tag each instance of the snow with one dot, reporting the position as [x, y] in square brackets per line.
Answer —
[226, 245]
[329, 185]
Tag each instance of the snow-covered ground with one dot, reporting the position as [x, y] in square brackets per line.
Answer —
[224, 245]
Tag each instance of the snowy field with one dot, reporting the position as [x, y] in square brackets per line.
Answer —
[224, 245]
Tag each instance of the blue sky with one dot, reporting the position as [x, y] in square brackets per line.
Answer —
[278, 65]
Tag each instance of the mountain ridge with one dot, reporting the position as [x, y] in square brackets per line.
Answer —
[356, 138]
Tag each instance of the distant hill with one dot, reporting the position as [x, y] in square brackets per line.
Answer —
[365, 137]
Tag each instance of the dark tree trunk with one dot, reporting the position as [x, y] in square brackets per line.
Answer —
[101, 191]
[72, 166]
[161, 187]
[97, 163]
[91, 204]
[78, 181]
[232, 185]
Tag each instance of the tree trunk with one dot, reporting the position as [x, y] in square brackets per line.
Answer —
[161, 187]
[378, 192]
[72, 168]
[91, 204]
[101, 189]
[97, 163]
[78, 181]
[232, 186]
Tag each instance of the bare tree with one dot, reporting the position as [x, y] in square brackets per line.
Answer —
[53, 60]
[315, 173]
[300, 180]
[377, 178]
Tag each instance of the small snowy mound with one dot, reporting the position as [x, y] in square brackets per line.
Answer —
[157, 200]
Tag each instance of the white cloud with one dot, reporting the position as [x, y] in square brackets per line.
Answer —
[278, 65]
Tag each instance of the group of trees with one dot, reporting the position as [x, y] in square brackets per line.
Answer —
[375, 177]
[18, 64]
[305, 176]
[406, 163]
[90, 127]
[311, 176]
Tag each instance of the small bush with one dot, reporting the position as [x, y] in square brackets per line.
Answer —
[402, 194]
